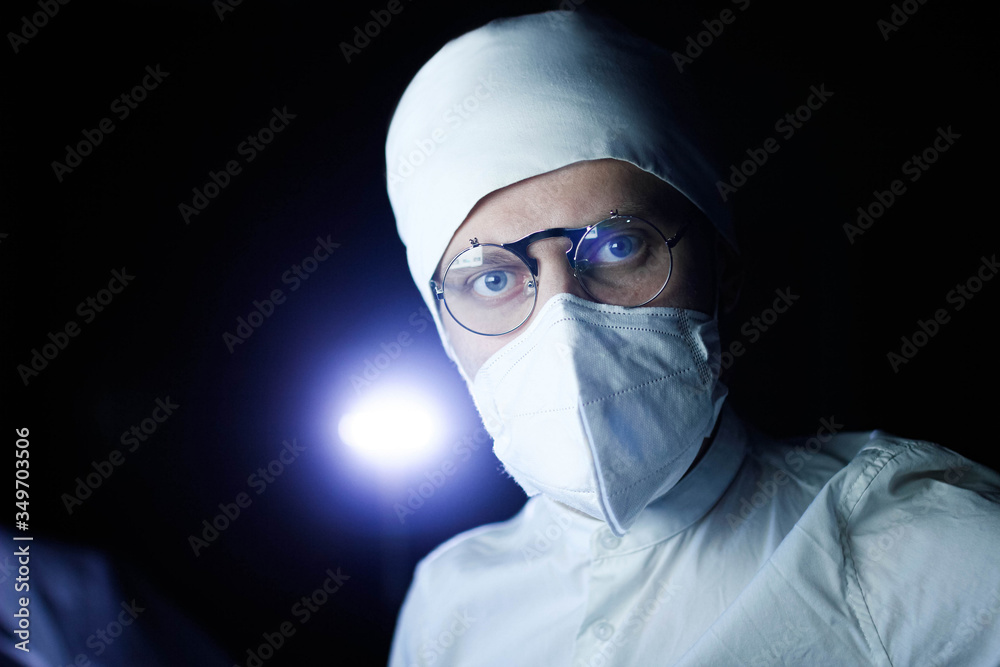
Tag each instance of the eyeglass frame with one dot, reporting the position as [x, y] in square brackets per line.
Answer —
[576, 234]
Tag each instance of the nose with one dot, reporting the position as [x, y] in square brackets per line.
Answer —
[555, 275]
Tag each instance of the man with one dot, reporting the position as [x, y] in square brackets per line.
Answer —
[568, 239]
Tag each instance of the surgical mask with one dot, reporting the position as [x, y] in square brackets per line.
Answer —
[603, 408]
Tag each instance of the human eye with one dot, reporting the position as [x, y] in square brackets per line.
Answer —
[619, 248]
[495, 283]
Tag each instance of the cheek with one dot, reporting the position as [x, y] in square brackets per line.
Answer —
[472, 349]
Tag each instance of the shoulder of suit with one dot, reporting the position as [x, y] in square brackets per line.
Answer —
[912, 466]
[485, 545]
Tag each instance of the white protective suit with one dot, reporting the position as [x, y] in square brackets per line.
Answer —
[839, 549]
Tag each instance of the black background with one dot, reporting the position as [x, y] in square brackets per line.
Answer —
[325, 175]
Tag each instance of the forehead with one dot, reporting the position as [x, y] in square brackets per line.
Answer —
[574, 196]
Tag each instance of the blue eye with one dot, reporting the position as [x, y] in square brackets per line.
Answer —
[617, 249]
[620, 247]
[491, 283]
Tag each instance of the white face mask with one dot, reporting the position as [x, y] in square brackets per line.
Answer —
[603, 408]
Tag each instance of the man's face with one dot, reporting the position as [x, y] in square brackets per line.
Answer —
[575, 196]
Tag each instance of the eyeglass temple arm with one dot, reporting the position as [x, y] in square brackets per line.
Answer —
[673, 240]
[438, 292]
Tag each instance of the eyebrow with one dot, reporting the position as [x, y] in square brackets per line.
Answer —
[639, 207]
[487, 262]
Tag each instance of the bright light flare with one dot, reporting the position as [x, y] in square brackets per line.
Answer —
[390, 430]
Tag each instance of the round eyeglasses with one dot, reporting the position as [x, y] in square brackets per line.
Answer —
[491, 289]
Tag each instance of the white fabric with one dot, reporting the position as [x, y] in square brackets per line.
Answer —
[834, 551]
[523, 96]
[602, 407]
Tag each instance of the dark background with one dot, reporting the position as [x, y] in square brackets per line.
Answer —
[325, 175]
